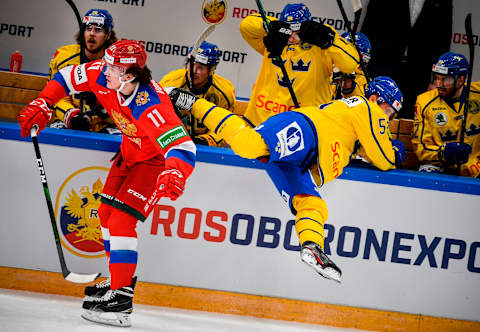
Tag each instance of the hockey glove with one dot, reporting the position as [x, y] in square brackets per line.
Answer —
[277, 38]
[171, 184]
[182, 99]
[316, 34]
[74, 119]
[399, 149]
[205, 139]
[454, 153]
[35, 113]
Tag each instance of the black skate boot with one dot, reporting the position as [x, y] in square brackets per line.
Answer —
[98, 290]
[113, 308]
[313, 255]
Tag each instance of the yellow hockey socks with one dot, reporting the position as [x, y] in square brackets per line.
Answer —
[311, 215]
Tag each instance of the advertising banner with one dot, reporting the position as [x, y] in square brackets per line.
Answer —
[401, 248]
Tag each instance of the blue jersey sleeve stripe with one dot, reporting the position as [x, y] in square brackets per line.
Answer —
[69, 58]
[221, 122]
[60, 79]
[184, 155]
[373, 133]
[423, 125]
[208, 112]
[123, 256]
[248, 121]
[344, 51]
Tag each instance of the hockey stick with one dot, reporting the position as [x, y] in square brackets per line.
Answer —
[70, 276]
[203, 36]
[79, 21]
[468, 31]
[278, 59]
[357, 11]
[352, 36]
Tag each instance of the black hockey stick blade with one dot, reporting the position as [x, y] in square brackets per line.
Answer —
[70, 276]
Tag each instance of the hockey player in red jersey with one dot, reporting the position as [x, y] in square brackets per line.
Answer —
[156, 157]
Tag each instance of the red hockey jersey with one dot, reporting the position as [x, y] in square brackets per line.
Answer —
[147, 118]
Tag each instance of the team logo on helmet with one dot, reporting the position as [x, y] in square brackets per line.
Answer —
[142, 98]
[214, 11]
[441, 119]
[76, 211]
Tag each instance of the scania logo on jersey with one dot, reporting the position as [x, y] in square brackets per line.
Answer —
[290, 140]
[76, 211]
[441, 119]
[142, 98]
[214, 11]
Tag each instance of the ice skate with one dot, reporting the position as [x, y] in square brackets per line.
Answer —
[313, 255]
[113, 308]
[98, 290]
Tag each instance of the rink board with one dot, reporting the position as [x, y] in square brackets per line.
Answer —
[168, 28]
[401, 248]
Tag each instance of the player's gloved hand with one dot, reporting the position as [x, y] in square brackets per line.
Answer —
[35, 113]
[171, 184]
[182, 99]
[74, 119]
[317, 34]
[205, 139]
[454, 153]
[277, 38]
[399, 149]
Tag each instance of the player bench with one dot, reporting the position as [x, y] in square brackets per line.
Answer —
[402, 129]
[16, 91]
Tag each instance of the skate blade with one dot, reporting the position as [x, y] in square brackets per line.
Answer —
[328, 272]
[108, 318]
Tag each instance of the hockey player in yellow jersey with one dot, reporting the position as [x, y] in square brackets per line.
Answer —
[438, 120]
[308, 147]
[345, 85]
[81, 111]
[207, 85]
[308, 49]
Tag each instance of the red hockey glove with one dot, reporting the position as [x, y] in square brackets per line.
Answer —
[171, 184]
[35, 113]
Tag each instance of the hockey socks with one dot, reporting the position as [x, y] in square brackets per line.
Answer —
[311, 215]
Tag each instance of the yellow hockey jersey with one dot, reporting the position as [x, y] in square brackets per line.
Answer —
[437, 122]
[339, 125]
[309, 69]
[66, 56]
[359, 89]
[221, 92]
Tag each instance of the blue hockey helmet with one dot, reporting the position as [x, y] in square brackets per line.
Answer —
[452, 64]
[295, 14]
[387, 90]
[363, 44]
[207, 54]
[100, 17]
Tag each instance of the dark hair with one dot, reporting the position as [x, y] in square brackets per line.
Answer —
[79, 38]
[142, 75]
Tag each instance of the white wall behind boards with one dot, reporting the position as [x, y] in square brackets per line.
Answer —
[169, 28]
